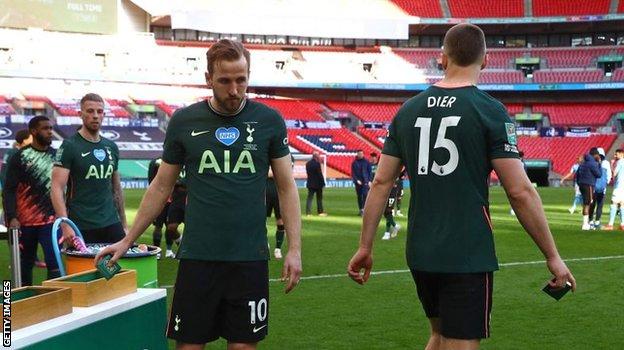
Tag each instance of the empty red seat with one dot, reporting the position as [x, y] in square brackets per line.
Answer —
[562, 151]
[295, 109]
[568, 76]
[336, 159]
[421, 8]
[580, 114]
[368, 111]
[486, 8]
[570, 7]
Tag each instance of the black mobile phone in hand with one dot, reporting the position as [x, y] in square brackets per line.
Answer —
[556, 292]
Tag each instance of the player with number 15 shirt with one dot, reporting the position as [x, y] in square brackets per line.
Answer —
[451, 135]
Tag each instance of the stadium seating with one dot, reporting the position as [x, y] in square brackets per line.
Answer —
[295, 109]
[513, 108]
[570, 7]
[570, 58]
[169, 108]
[620, 7]
[568, 76]
[367, 111]
[562, 151]
[424, 58]
[374, 136]
[6, 109]
[485, 8]
[340, 145]
[580, 114]
[503, 58]
[501, 77]
[421, 8]
[618, 75]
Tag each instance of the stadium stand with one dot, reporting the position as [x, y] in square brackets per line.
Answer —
[6, 109]
[134, 142]
[579, 114]
[421, 8]
[424, 58]
[340, 145]
[295, 109]
[485, 8]
[570, 58]
[169, 108]
[367, 111]
[503, 76]
[375, 136]
[620, 8]
[562, 151]
[570, 7]
[568, 76]
[514, 108]
[618, 75]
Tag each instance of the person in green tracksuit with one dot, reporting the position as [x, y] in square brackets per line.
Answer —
[86, 186]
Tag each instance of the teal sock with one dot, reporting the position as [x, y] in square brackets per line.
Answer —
[612, 214]
[279, 236]
[388, 225]
[621, 215]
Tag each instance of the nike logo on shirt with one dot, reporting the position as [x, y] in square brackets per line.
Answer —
[196, 133]
[85, 154]
[255, 330]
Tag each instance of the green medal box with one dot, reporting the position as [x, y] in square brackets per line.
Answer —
[89, 288]
[32, 305]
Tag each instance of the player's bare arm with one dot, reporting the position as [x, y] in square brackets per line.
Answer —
[527, 204]
[118, 199]
[60, 176]
[387, 172]
[291, 213]
[151, 205]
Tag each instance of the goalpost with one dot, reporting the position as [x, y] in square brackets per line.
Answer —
[299, 170]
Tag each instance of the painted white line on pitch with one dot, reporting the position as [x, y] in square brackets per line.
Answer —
[388, 272]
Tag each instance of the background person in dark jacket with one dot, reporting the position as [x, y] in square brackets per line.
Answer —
[586, 176]
[315, 184]
[361, 171]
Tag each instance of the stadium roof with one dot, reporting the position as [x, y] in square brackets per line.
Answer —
[360, 19]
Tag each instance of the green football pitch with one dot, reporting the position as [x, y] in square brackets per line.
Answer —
[329, 311]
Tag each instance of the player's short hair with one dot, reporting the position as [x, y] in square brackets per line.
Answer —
[91, 97]
[226, 50]
[464, 44]
[22, 135]
[374, 154]
[619, 150]
[34, 122]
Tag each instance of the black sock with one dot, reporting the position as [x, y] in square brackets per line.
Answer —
[157, 236]
[279, 236]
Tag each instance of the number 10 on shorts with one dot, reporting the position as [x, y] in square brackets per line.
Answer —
[258, 310]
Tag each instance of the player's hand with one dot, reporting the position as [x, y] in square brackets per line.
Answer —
[561, 272]
[362, 260]
[291, 272]
[117, 250]
[14, 224]
[68, 234]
